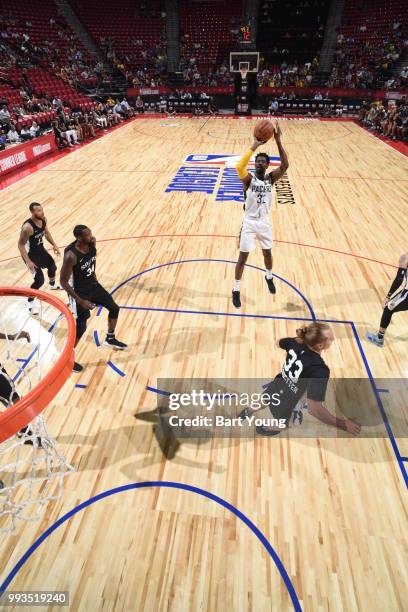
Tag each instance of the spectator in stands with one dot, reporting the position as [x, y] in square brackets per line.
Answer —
[35, 130]
[170, 108]
[3, 140]
[273, 108]
[67, 127]
[25, 133]
[12, 135]
[127, 110]
[5, 116]
[139, 105]
[59, 135]
[100, 120]
[162, 105]
[118, 109]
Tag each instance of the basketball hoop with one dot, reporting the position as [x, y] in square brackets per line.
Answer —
[36, 358]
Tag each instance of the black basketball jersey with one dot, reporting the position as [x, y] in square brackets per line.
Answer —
[83, 272]
[303, 371]
[35, 242]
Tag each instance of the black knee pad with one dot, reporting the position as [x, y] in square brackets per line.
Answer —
[52, 269]
[38, 279]
[114, 311]
[81, 326]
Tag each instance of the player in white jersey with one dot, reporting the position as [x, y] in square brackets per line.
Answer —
[258, 191]
[393, 303]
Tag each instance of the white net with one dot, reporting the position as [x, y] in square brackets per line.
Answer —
[31, 466]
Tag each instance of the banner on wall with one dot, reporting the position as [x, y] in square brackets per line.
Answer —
[16, 157]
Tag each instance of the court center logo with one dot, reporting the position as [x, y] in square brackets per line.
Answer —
[200, 173]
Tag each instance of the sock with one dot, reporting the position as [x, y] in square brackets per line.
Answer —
[236, 285]
[269, 274]
[110, 335]
[380, 335]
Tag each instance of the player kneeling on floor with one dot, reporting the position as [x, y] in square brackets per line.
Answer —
[304, 372]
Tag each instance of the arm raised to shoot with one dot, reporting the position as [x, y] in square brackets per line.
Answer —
[242, 165]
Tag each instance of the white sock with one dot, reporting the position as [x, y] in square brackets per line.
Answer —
[269, 274]
[236, 285]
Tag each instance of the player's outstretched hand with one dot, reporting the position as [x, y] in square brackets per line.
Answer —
[31, 266]
[385, 302]
[352, 427]
[278, 131]
[256, 144]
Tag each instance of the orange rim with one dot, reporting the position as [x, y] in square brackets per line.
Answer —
[18, 415]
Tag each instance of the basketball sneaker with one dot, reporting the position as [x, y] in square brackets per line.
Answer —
[263, 431]
[111, 341]
[54, 287]
[271, 286]
[372, 337]
[236, 299]
[77, 367]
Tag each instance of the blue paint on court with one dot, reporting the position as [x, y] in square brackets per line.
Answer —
[116, 369]
[164, 484]
[80, 386]
[383, 390]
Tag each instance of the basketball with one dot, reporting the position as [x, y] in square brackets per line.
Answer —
[263, 130]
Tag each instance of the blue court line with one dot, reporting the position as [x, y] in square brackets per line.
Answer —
[115, 368]
[96, 338]
[158, 391]
[171, 485]
[80, 386]
[21, 359]
[230, 314]
[182, 261]
[404, 458]
[381, 407]
[383, 390]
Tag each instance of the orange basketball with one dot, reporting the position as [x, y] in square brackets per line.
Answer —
[263, 130]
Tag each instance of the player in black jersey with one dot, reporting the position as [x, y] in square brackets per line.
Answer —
[304, 371]
[33, 232]
[393, 303]
[85, 292]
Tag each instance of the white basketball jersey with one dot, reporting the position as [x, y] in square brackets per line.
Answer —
[258, 199]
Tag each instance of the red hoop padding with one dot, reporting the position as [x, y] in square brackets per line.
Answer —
[18, 415]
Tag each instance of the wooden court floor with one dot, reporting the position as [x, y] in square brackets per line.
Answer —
[334, 509]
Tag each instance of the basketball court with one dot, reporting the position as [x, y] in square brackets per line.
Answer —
[308, 523]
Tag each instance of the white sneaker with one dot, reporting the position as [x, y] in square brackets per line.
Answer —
[54, 287]
[33, 308]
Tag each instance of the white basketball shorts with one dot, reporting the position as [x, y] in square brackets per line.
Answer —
[260, 229]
